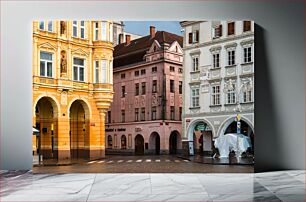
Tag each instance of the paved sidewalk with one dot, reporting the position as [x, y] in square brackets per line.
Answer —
[271, 186]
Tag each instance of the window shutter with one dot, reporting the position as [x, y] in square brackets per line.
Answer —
[190, 37]
[220, 30]
[197, 36]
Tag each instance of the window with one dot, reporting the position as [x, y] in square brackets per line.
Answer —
[195, 96]
[247, 54]
[215, 95]
[143, 114]
[45, 64]
[172, 113]
[42, 25]
[143, 72]
[180, 70]
[216, 60]
[136, 73]
[75, 28]
[122, 76]
[82, 27]
[97, 71]
[96, 31]
[103, 71]
[154, 86]
[180, 87]
[136, 89]
[231, 57]
[109, 141]
[193, 37]
[218, 31]
[78, 69]
[50, 26]
[247, 96]
[122, 91]
[246, 26]
[103, 28]
[109, 116]
[136, 114]
[143, 88]
[154, 69]
[231, 96]
[172, 69]
[123, 142]
[111, 37]
[195, 64]
[122, 116]
[231, 28]
[180, 118]
[171, 86]
[153, 113]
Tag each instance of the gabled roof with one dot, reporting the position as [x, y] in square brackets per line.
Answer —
[135, 51]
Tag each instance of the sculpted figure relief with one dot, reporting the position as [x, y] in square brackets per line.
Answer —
[63, 62]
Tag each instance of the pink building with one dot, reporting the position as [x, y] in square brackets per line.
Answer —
[145, 116]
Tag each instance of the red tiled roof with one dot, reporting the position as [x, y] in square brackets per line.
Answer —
[135, 51]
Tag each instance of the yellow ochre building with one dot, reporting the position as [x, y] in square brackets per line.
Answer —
[72, 87]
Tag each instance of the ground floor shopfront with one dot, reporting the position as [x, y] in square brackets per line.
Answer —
[139, 138]
[201, 131]
[70, 124]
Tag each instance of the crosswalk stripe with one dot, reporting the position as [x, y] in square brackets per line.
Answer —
[176, 161]
[167, 160]
[138, 161]
[92, 162]
[186, 160]
[110, 162]
[129, 161]
[148, 160]
[157, 160]
[101, 161]
[120, 161]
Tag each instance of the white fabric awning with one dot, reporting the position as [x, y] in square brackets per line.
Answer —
[35, 130]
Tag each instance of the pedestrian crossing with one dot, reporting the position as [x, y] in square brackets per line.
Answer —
[138, 161]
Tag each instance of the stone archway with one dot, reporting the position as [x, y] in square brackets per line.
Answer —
[79, 130]
[154, 143]
[200, 132]
[139, 145]
[46, 121]
[175, 142]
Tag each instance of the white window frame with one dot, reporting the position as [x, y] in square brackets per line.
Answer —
[195, 97]
[96, 32]
[247, 96]
[231, 60]
[231, 96]
[104, 31]
[43, 23]
[215, 95]
[194, 36]
[103, 71]
[50, 23]
[82, 27]
[246, 50]
[46, 64]
[97, 71]
[214, 59]
[110, 71]
[111, 36]
[78, 70]
[195, 63]
[75, 25]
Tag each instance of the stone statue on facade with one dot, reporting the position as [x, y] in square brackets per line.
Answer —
[63, 62]
[63, 27]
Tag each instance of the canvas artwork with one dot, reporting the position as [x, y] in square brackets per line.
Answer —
[143, 96]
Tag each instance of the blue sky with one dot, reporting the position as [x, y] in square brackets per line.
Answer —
[143, 27]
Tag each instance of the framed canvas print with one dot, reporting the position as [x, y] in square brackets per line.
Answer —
[143, 96]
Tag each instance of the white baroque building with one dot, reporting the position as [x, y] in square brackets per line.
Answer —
[218, 82]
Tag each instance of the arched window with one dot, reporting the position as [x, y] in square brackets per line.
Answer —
[123, 142]
[110, 141]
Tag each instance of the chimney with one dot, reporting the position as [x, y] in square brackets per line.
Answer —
[152, 31]
[120, 38]
[127, 39]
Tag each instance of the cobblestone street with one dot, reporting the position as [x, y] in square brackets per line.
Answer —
[143, 164]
